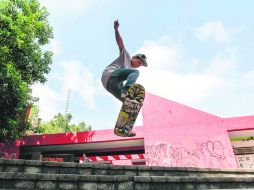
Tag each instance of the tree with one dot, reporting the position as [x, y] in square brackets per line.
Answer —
[58, 124]
[24, 30]
[61, 123]
[35, 120]
[80, 127]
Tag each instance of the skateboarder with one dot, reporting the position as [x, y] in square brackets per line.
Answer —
[122, 69]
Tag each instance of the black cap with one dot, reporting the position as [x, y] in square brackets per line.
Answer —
[142, 57]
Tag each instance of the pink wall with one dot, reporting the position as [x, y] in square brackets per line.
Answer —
[175, 135]
[11, 150]
[79, 137]
[238, 123]
[180, 136]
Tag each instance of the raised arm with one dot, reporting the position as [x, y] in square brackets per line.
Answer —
[119, 39]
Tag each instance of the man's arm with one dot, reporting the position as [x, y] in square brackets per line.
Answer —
[119, 39]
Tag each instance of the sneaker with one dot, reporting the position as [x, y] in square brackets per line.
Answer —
[132, 134]
[123, 132]
[123, 95]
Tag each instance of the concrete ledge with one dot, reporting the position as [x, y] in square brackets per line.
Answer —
[105, 166]
[61, 167]
[46, 177]
[121, 178]
[11, 180]
[36, 167]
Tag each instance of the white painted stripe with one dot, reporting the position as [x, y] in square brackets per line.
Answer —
[99, 158]
[135, 156]
[122, 157]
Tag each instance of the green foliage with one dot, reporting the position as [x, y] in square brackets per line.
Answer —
[61, 123]
[35, 120]
[13, 102]
[249, 138]
[24, 29]
[80, 127]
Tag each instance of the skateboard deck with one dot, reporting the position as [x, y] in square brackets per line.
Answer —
[129, 110]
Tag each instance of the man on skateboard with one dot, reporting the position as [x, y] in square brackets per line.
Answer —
[122, 69]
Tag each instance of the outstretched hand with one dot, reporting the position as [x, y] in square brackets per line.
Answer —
[119, 39]
[116, 24]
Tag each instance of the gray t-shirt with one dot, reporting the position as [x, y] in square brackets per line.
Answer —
[123, 61]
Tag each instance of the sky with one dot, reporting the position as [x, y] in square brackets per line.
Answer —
[199, 53]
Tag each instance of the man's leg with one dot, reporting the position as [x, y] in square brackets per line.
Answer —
[132, 76]
[115, 83]
[114, 86]
[128, 75]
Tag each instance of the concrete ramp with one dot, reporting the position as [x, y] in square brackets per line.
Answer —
[28, 174]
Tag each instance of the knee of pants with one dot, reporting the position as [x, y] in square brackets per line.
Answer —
[135, 73]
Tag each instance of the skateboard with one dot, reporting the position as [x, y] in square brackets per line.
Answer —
[129, 111]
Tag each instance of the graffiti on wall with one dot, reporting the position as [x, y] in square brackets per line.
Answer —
[8, 151]
[245, 161]
[207, 154]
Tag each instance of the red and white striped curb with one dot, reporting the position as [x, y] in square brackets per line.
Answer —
[115, 157]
